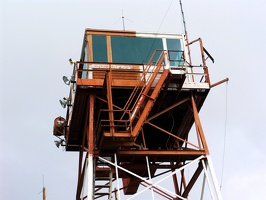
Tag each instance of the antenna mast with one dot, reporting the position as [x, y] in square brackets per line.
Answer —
[183, 17]
[44, 189]
[123, 19]
[44, 193]
[185, 29]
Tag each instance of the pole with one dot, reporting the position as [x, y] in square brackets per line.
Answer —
[90, 140]
[44, 193]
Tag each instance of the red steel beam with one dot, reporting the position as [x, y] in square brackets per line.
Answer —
[198, 125]
[161, 152]
[192, 181]
[149, 104]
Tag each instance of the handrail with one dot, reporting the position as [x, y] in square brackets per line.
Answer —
[150, 79]
[203, 60]
[143, 78]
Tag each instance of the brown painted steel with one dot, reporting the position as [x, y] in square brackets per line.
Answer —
[96, 127]
[198, 125]
[193, 180]
[150, 103]
[161, 153]
[111, 32]
[108, 80]
[59, 126]
[90, 128]
[220, 82]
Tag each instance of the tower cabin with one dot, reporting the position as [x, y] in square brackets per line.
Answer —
[136, 95]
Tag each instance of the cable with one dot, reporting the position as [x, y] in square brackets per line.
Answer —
[165, 15]
[225, 128]
[159, 29]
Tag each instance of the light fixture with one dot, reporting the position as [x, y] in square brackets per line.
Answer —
[72, 61]
[69, 80]
[59, 142]
[64, 102]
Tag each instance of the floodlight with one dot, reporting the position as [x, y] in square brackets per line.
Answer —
[72, 61]
[59, 142]
[69, 80]
[64, 102]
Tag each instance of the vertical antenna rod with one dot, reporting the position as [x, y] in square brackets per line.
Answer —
[183, 17]
[123, 19]
[44, 193]
[44, 189]
[185, 29]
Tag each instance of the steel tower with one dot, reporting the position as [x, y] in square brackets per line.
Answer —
[133, 116]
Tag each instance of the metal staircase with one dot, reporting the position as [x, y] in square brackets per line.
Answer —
[103, 183]
[140, 101]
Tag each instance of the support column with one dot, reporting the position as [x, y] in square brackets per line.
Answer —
[44, 193]
[110, 100]
[90, 140]
[198, 126]
[214, 179]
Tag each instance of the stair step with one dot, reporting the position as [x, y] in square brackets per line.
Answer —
[102, 193]
[102, 186]
[102, 178]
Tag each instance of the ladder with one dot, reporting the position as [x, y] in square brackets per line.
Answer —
[139, 103]
[103, 183]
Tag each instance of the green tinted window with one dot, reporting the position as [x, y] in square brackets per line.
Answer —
[175, 52]
[134, 49]
[99, 48]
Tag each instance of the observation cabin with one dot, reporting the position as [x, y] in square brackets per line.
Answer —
[135, 95]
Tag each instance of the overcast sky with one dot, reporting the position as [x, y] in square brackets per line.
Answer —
[38, 37]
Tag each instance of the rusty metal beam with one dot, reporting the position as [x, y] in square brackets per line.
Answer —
[183, 180]
[149, 104]
[167, 109]
[90, 128]
[115, 82]
[89, 41]
[119, 134]
[110, 32]
[175, 181]
[179, 138]
[108, 78]
[220, 82]
[198, 125]
[90, 142]
[160, 152]
[205, 69]
[192, 180]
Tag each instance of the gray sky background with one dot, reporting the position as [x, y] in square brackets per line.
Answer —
[38, 37]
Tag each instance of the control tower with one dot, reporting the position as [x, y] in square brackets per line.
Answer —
[133, 117]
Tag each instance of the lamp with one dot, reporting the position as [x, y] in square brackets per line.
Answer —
[69, 80]
[59, 142]
[64, 102]
[72, 61]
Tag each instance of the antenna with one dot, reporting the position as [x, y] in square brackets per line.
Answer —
[123, 19]
[183, 17]
[44, 193]
[44, 189]
[185, 29]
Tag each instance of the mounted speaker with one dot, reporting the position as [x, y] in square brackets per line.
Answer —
[59, 126]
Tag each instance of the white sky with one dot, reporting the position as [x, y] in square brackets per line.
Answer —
[38, 37]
